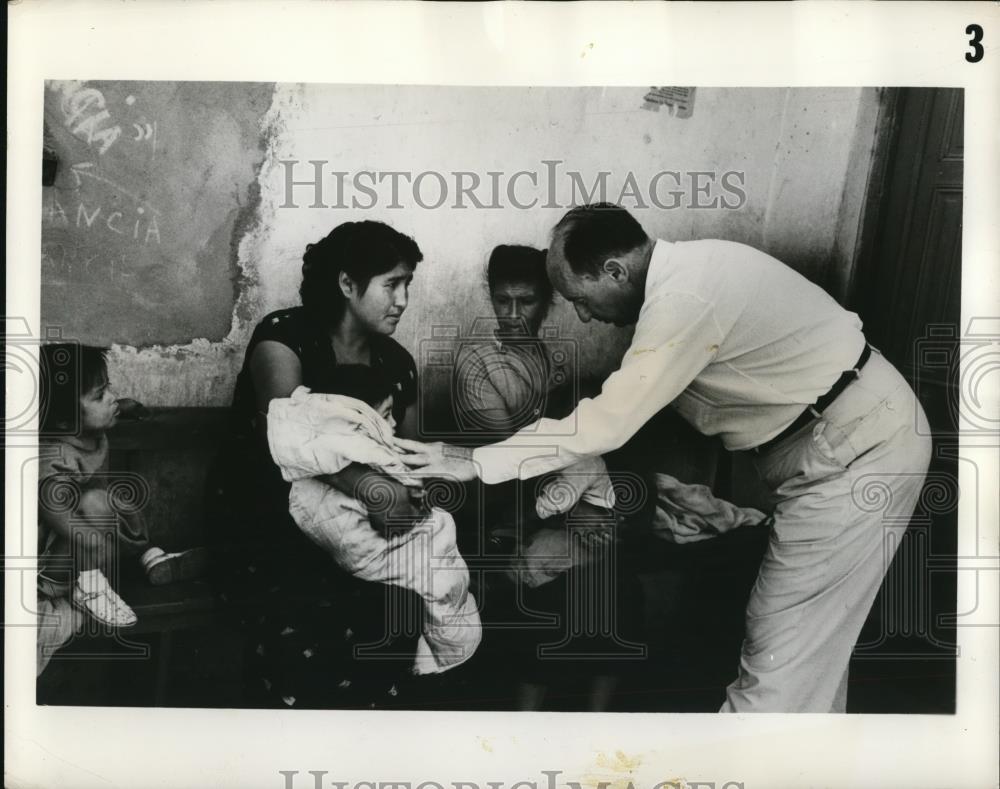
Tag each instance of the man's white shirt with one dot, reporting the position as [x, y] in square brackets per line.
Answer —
[737, 341]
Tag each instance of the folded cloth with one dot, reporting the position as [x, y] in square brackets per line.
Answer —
[689, 513]
[311, 435]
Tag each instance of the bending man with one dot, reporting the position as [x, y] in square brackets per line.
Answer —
[746, 349]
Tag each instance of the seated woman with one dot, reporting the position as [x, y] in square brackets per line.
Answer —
[311, 625]
[502, 385]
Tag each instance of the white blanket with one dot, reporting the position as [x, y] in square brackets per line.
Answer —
[311, 435]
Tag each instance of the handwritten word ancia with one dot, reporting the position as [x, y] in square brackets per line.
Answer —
[140, 226]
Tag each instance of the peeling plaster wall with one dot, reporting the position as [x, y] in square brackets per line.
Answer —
[150, 183]
[804, 152]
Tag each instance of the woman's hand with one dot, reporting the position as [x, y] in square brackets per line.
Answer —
[438, 459]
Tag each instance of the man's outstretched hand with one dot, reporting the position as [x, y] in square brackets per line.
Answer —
[437, 459]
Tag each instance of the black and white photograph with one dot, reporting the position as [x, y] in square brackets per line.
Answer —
[645, 508]
[353, 399]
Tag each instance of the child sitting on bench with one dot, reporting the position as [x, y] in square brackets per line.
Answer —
[88, 517]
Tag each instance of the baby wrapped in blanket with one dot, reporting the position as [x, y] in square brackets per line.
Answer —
[314, 434]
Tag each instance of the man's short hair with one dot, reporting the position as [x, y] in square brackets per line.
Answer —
[512, 263]
[590, 234]
[67, 371]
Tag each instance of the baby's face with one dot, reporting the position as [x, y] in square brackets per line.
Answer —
[384, 410]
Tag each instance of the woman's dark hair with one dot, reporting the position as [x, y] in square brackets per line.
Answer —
[518, 264]
[590, 234]
[361, 250]
[67, 371]
[362, 383]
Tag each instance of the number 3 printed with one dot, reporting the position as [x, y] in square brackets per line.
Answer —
[976, 31]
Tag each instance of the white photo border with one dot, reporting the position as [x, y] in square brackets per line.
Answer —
[746, 45]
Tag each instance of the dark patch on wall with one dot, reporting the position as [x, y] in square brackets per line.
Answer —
[678, 101]
[157, 182]
[245, 222]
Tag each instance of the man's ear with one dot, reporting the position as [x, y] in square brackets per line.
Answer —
[616, 269]
[346, 284]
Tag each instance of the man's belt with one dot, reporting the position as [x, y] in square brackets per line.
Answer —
[815, 410]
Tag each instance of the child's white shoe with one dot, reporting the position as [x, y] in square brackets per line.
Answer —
[167, 568]
[92, 593]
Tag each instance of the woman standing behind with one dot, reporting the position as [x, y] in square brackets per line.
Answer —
[355, 288]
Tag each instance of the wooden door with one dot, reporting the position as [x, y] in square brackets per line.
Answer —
[909, 282]
[908, 293]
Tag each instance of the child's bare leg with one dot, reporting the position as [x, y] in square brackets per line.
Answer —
[131, 539]
[132, 534]
[95, 533]
[99, 538]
